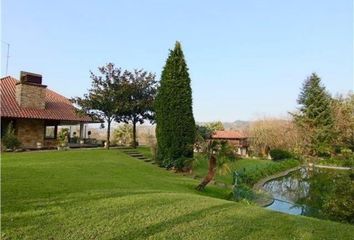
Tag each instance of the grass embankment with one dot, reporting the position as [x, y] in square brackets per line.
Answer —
[344, 162]
[252, 170]
[100, 194]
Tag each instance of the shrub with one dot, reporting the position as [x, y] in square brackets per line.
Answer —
[123, 135]
[340, 207]
[184, 164]
[10, 140]
[242, 191]
[63, 137]
[340, 160]
[349, 162]
[346, 152]
[190, 164]
[324, 153]
[279, 154]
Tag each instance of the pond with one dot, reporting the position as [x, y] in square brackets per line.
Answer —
[320, 193]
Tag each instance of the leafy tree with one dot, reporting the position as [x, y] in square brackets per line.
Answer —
[203, 134]
[272, 133]
[9, 140]
[123, 134]
[343, 114]
[141, 88]
[104, 99]
[215, 126]
[175, 129]
[315, 118]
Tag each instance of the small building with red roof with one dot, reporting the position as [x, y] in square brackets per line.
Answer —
[236, 138]
[35, 111]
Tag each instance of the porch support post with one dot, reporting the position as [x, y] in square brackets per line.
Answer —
[81, 130]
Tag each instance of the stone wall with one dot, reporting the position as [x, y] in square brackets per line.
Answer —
[30, 132]
[30, 95]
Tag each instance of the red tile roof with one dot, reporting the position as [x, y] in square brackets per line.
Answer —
[57, 107]
[228, 135]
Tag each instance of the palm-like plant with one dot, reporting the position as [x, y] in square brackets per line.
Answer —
[219, 154]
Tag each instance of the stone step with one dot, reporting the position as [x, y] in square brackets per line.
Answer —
[132, 152]
[135, 154]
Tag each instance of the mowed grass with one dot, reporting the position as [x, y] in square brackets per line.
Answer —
[99, 194]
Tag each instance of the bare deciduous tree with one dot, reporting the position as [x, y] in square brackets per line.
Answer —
[270, 133]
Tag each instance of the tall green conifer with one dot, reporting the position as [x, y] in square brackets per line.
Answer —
[175, 130]
[315, 117]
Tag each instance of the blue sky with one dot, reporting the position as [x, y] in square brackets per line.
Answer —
[247, 59]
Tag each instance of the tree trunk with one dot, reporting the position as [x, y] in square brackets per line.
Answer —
[210, 175]
[108, 133]
[134, 134]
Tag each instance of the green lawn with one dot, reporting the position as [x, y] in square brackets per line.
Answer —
[99, 194]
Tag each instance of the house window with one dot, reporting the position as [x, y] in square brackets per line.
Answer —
[50, 132]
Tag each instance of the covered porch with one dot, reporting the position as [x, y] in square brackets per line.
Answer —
[35, 134]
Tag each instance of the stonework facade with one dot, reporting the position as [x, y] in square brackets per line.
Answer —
[30, 95]
[30, 132]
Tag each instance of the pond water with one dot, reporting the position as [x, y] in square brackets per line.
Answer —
[321, 193]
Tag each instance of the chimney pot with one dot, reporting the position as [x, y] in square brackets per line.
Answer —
[27, 77]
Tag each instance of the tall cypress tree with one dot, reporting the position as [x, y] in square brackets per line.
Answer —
[315, 117]
[175, 130]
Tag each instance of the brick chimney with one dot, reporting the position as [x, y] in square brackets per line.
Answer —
[30, 93]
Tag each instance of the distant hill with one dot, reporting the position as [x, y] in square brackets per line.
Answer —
[236, 125]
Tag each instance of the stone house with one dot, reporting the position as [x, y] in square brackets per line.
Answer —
[236, 138]
[35, 111]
